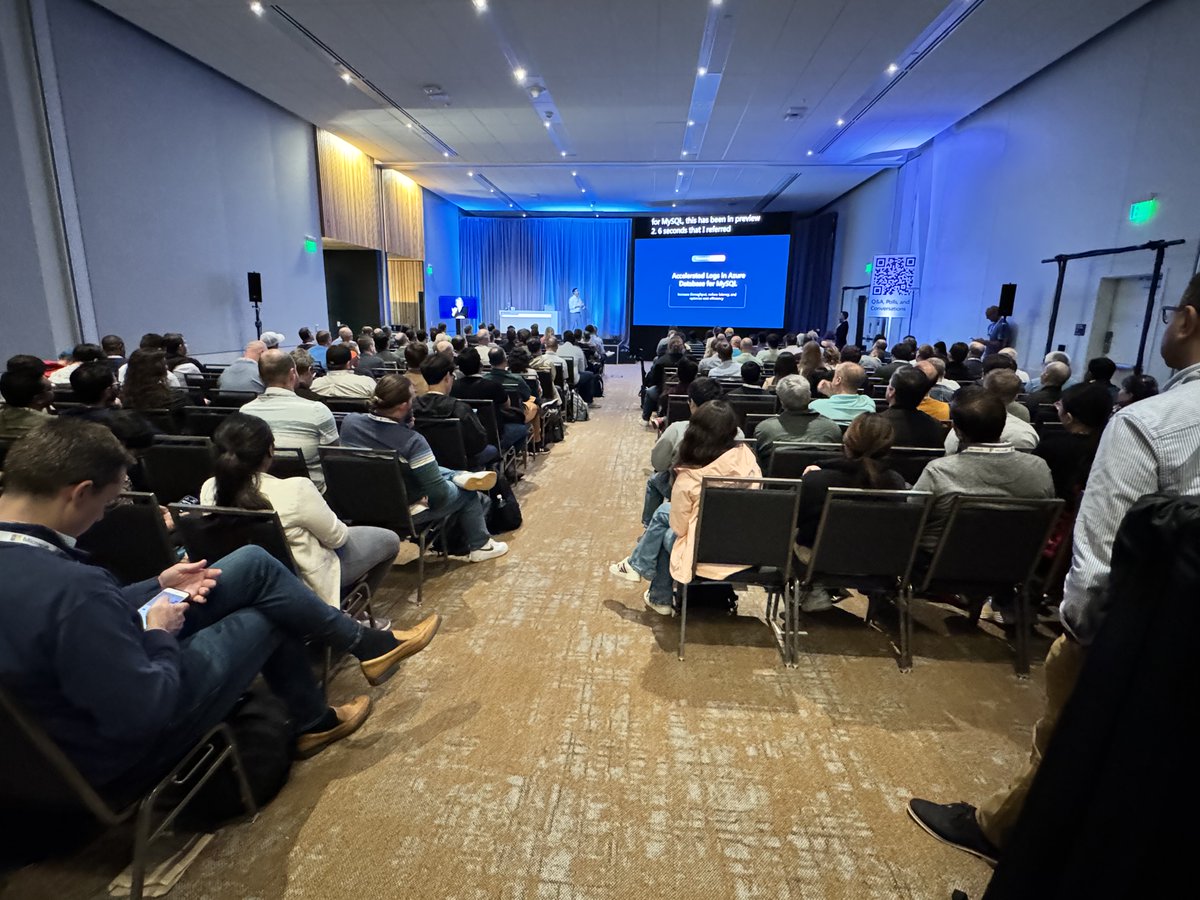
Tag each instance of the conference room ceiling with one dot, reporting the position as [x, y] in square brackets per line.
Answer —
[620, 80]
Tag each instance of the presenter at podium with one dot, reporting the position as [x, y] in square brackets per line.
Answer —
[576, 309]
[459, 312]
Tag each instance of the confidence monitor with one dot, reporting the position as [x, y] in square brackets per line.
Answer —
[699, 271]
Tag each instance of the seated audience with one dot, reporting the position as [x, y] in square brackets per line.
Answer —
[1084, 410]
[1004, 384]
[770, 353]
[687, 372]
[306, 371]
[1011, 353]
[437, 403]
[306, 339]
[331, 557]
[499, 372]
[27, 397]
[812, 367]
[1054, 377]
[242, 374]
[984, 465]
[1135, 388]
[122, 699]
[146, 386]
[875, 358]
[666, 549]
[903, 354]
[369, 362]
[415, 354]
[340, 380]
[1034, 384]
[178, 361]
[842, 402]
[114, 351]
[943, 389]
[585, 381]
[751, 385]
[721, 364]
[82, 353]
[913, 428]
[446, 492]
[1101, 371]
[95, 386]
[295, 423]
[956, 368]
[540, 361]
[317, 352]
[798, 420]
[974, 360]
[666, 449]
[935, 409]
[473, 386]
[785, 364]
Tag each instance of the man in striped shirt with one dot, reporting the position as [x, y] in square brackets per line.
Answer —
[1150, 446]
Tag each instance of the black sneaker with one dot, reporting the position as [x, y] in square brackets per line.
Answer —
[953, 824]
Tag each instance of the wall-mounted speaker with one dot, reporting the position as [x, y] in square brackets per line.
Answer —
[1008, 294]
[254, 282]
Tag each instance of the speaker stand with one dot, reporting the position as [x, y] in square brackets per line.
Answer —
[257, 320]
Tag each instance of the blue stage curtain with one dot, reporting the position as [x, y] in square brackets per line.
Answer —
[534, 263]
[811, 273]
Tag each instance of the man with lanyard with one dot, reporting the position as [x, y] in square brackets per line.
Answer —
[125, 680]
[1148, 447]
[999, 335]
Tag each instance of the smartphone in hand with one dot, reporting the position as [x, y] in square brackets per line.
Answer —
[170, 593]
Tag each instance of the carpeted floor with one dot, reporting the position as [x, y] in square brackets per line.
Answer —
[549, 744]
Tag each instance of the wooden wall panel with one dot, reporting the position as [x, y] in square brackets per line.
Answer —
[406, 278]
[403, 216]
[350, 193]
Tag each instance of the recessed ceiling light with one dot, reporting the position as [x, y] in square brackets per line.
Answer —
[347, 77]
[519, 74]
[562, 152]
[672, 206]
[702, 71]
[893, 69]
[510, 206]
[256, 8]
[522, 215]
[446, 153]
[408, 124]
[841, 122]
[583, 190]
[691, 122]
[680, 173]
[597, 215]
[573, 174]
[684, 153]
[480, 5]
[547, 123]
[809, 153]
[716, 2]
[470, 174]
[491, 190]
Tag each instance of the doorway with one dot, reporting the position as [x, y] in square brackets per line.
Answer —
[1117, 323]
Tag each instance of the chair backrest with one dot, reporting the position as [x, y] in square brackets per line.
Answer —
[992, 542]
[211, 532]
[546, 380]
[366, 487]
[289, 463]
[485, 410]
[445, 440]
[895, 518]
[203, 420]
[131, 541]
[347, 404]
[176, 467]
[678, 409]
[36, 774]
[910, 462]
[162, 419]
[235, 399]
[742, 406]
[879, 392]
[753, 419]
[727, 504]
[790, 459]
[570, 376]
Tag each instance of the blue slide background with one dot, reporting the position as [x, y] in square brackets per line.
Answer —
[764, 259]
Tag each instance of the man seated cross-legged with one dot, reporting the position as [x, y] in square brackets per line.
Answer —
[121, 697]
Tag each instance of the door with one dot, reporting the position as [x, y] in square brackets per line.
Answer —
[1117, 324]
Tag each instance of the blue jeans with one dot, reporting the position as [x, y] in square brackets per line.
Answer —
[468, 506]
[651, 558]
[650, 402]
[368, 551]
[658, 491]
[486, 457]
[255, 620]
[513, 434]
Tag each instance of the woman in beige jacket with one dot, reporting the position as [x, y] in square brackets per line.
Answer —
[666, 550]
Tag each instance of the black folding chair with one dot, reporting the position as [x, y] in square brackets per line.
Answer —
[39, 778]
[165, 420]
[722, 539]
[910, 462]
[211, 532]
[366, 487]
[744, 406]
[235, 399]
[445, 440]
[838, 557]
[789, 459]
[202, 421]
[678, 409]
[565, 393]
[347, 404]
[289, 463]
[177, 466]
[131, 541]
[991, 546]
[750, 425]
[486, 412]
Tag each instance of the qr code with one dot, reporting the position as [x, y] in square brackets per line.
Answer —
[893, 275]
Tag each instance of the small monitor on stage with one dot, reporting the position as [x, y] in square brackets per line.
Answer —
[453, 306]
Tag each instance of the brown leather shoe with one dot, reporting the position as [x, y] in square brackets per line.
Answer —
[350, 719]
[412, 640]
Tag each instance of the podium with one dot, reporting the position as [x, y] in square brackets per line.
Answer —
[527, 318]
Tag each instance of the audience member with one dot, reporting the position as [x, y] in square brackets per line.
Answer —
[1003, 383]
[842, 402]
[369, 363]
[324, 341]
[1101, 371]
[1084, 410]
[585, 381]
[935, 409]
[913, 428]
[242, 374]
[540, 362]
[957, 369]
[114, 351]
[687, 372]
[875, 358]
[305, 374]
[473, 386]
[812, 366]
[177, 357]
[974, 360]
[1033, 385]
[340, 380]
[797, 421]
[306, 339]
[943, 388]
[751, 385]
[1011, 353]
[666, 549]
[437, 403]
[851, 353]
[1135, 388]
[902, 357]
[785, 364]
[95, 387]
[664, 454]
[656, 377]
[770, 353]
[82, 353]
[445, 491]
[146, 386]
[721, 364]
[119, 697]
[27, 395]
[272, 339]
[1054, 377]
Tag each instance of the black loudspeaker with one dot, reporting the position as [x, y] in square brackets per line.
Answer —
[1008, 293]
[254, 281]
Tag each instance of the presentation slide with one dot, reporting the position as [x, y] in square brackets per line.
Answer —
[704, 281]
[451, 306]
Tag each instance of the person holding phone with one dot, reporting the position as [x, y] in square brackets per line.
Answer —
[124, 700]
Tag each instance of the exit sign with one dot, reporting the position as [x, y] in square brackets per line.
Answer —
[1143, 211]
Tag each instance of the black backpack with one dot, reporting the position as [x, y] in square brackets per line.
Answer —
[504, 513]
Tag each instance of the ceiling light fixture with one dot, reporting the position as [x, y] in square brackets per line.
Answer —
[673, 206]
[347, 77]
[573, 174]
[547, 123]
[583, 190]
[680, 173]
[684, 153]
[702, 71]
[446, 153]
[519, 74]
[893, 69]
[809, 153]
[691, 122]
[480, 5]
[256, 8]
[536, 91]
[562, 152]
[716, 2]
[470, 174]
[522, 215]
[841, 122]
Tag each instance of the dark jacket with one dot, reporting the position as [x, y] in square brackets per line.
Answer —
[1070, 458]
[914, 428]
[130, 428]
[958, 371]
[654, 378]
[838, 472]
[73, 652]
[442, 406]
[476, 387]
[1040, 397]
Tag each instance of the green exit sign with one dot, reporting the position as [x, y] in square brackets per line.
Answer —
[310, 245]
[869, 268]
[1143, 211]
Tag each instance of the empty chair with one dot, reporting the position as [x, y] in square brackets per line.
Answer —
[990, 546]
[175, 467]
[131, 541]
[445, 440]
[678, 409]
[722, 539]
[839, 557]
[790, 459]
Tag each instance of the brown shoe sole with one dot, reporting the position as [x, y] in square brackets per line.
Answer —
[381, 668]
[357, 711]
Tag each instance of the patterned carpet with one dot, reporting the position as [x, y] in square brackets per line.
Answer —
[550, 745]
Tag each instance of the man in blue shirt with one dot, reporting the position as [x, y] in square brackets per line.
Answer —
[324, 338]
[999, 335]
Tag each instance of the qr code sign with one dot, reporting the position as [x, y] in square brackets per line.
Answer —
[893, 275]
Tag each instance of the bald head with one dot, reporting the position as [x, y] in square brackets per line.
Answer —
[1055, 374]
[445, 348]
[255, 350]
[929, 369]
[975, 350]
[848, 377]
[345, 334]
[277, 369]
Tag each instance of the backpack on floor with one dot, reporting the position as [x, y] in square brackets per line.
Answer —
[553, 431]
[580, 409]
[504, 512]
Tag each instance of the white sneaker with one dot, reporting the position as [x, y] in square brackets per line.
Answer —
[624, 570]
[490, 550]
[818, 600]
[663, 609]
[475, 481]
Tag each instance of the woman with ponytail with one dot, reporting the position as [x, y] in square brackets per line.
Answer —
[330, 556]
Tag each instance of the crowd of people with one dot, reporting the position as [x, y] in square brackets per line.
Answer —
[125, 695]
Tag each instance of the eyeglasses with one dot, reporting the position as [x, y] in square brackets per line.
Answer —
[1168, 311]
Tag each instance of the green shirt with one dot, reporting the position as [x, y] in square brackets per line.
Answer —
[15, 421]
